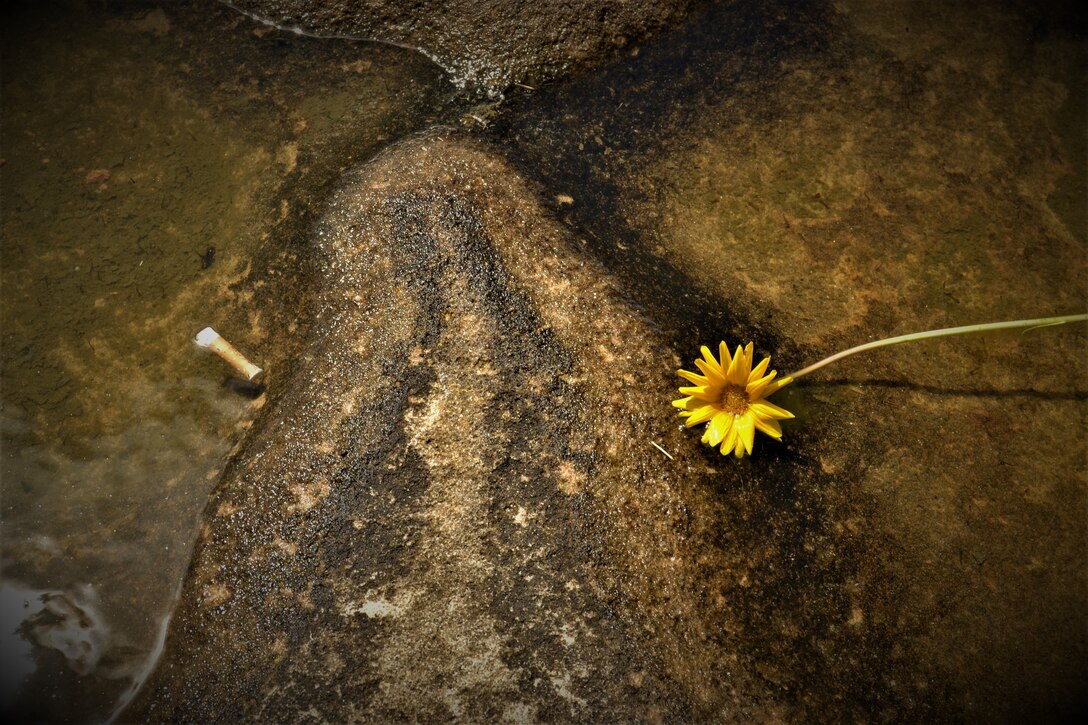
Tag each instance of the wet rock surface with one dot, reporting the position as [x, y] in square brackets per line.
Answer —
[489, 45]
[455, 522]
[454, 509]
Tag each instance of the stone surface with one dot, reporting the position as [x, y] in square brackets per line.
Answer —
[488, 45]
[454, 508]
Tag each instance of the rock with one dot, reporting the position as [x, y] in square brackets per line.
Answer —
[488, 45]
[97, 176]
[455, 509]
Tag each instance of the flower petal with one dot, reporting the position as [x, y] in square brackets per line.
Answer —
[723, 353]
[692, 377]
[711, 362]
[749, 353]
[700, 415]
[758, 388]
[765, 409]
[720, 424]
[682, 403]
[746, 430]
[712, 374]
[735, 365]
[769, 426]
[758, 370]
[699, 391]
[730, 441]
[777, 385]
[741, 366]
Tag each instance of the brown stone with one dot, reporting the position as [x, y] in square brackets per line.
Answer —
[489, 44]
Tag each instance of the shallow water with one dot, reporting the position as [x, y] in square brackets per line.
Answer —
[805, 175]
[158, 163]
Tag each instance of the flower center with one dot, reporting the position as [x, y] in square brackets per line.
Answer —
[734, 400]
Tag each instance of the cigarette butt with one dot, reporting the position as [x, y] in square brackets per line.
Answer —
[212, 340]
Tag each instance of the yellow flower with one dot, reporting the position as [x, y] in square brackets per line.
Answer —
[730, 397]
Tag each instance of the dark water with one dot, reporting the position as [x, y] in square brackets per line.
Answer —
[158, 164]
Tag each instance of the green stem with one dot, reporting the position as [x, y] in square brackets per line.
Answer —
[1041, 322]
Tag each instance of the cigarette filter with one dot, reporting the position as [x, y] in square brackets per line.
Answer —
[212, 340]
